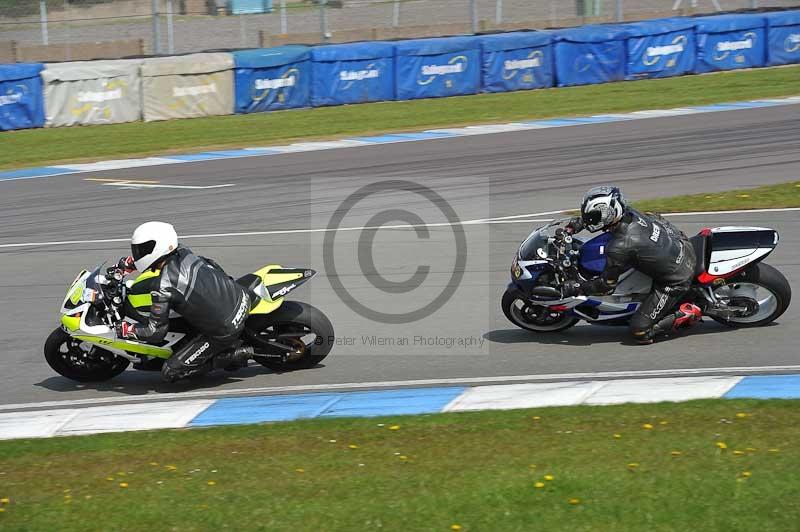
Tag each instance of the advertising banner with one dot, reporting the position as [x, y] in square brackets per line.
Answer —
[431, 68]
[92, 92]
[660, 48]
[517, 61]
[269, 79]
[187, 86]
[21, 98]
[590, 54]
[727, 42]
[783, 37]
[352, 73]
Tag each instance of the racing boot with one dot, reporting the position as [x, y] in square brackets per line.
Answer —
[688, 314]
[234, 359]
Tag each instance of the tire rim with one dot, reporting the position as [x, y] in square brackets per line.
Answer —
[520, 313]
[766, 299]
[82, 356]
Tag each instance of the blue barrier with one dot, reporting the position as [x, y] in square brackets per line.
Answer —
[21, 96]
[590, 54]
[431, 68]
[783, 37]
[517, 61]
[249, 7]
[352, 73]
[727, 42]
[660, 48]
[272, 78]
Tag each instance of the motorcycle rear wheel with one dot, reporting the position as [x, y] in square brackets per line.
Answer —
[516, 310]
[762, 283]
[299, 325]
[80, 362]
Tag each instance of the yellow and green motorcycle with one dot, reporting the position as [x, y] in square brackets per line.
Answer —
[285, 335]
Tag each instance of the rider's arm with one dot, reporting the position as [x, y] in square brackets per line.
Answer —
[157, 326]
[575, 225]
[617, 263]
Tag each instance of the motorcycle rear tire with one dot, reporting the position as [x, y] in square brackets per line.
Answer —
[772, 280]
[295, 314]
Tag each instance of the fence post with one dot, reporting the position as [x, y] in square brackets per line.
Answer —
[323, 19]
[170, 29]
[498, 12]
[43, 17]
[754, 4]
[156, 30]
[284, 21]
[473, 8]
[619, 14]
[396, 14]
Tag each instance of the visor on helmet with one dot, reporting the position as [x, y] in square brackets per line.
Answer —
[140, 250]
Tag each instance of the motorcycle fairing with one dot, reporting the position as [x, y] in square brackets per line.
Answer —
[733, 248]
[593, 254]
[275, 283]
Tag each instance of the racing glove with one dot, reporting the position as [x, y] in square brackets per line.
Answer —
[125, 265]
[575, 225]
[126, 330]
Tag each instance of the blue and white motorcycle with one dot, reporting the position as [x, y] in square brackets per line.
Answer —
[731, 286]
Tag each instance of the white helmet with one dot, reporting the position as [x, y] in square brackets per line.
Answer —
[602, 207]
[152, 241]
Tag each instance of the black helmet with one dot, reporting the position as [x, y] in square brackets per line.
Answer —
[602, 207]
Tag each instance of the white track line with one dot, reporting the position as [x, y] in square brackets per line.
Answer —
[555, 377]
[479, 221]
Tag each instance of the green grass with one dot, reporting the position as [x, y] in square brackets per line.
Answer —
[48, 146]
[764, 197]
[477, 470]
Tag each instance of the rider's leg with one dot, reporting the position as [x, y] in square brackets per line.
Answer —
[655, 315]
[193, 359]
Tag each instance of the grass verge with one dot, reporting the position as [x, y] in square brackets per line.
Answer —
[780, 196]
[703, 465]
[49, 146]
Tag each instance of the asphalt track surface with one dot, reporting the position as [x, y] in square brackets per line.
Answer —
[480, 177]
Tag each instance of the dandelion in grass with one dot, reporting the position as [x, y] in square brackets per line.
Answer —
[455, 527]
[331, 441]
[742, 415]
[721, 445]
[110, 478]
[647, 426]
[663, 422]
[746, 474]
[633, 465]
[211, 483]
[394, 427]
[574, 501]
[171, 467]
[403, 457]
[737, 452]
[774, 450]
[123, 484]
[2, 510]
[549, 477]
[353, 446]
[538, 485]
[751, 449]
[743, 196]
[300, 470]
[536, 418]
[676, 453]
[617, 436]
[153, 463]
[5, 500]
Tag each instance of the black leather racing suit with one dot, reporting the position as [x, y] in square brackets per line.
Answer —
[211, 302]
[653, 246]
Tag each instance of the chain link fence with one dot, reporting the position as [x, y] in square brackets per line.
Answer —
[36, 30]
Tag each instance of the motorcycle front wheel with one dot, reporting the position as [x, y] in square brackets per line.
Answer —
[299, 326]
[80, 361]
[536, 318]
